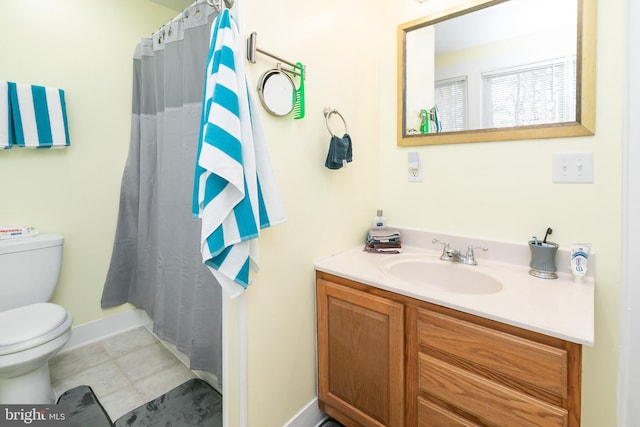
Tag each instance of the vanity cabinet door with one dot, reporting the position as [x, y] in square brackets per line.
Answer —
[360, 356]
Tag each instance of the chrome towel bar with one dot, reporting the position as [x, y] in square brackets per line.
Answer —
[252, 48]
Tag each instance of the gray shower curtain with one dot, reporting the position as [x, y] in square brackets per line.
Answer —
[156, 262]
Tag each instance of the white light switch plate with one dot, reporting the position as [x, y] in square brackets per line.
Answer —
[572, 167]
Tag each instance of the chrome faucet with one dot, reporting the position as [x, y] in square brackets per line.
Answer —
[454, 255]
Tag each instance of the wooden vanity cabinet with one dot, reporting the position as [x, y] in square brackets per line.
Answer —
[360, 356]
[443, 368]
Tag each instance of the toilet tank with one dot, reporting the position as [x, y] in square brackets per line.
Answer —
[29, 269]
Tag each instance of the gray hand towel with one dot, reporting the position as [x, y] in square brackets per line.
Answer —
[340, 152]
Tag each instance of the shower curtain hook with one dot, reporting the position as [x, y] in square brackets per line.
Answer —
[215, 3]
[218, 4]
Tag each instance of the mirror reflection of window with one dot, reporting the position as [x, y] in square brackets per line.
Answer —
[451, 99]
[503, 38]
[530, 95]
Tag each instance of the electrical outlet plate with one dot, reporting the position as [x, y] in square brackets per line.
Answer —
[414, 166]
[572, 167]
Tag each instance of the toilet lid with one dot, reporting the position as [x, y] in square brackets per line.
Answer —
[31, 321]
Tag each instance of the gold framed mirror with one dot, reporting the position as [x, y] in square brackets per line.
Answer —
[537, 81]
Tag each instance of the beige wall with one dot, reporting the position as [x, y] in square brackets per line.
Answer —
[500, 190]
[328, 210]
[504, 190]
[85, 48]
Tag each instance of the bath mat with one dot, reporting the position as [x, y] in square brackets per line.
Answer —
[83, 408]
[194, 403]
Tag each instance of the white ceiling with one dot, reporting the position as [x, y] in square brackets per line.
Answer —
[504, 21]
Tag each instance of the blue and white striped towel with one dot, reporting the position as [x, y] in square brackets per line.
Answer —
[39, 116]
[5, 119]
[235, 190]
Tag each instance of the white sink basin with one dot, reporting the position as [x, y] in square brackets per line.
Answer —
[447, 276]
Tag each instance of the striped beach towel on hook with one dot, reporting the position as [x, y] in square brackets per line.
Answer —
[235, 190]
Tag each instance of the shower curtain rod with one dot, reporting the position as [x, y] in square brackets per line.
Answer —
[216, 4]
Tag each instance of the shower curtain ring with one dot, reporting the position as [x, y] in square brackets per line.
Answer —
[218, 4]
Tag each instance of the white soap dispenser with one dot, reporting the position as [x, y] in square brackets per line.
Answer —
[378, 221]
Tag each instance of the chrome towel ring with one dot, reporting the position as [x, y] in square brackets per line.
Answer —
[328, 112]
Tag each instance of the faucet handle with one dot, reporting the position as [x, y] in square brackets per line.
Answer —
[446, 250]
[470, 249]
[470, 257]
[445, 245]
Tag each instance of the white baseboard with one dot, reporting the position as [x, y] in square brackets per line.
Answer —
[310, 415]
[102, 328]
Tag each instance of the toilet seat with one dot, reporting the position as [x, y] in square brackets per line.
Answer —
[26, 327]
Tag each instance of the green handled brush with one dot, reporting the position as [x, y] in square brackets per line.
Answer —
[298, 107]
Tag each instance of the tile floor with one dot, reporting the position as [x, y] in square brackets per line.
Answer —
[125, 370]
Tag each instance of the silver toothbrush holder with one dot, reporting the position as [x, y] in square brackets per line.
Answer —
[543, 259]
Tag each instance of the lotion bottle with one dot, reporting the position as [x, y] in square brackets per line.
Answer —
[579, 257]
[379, 221]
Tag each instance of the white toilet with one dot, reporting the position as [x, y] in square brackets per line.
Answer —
[31, 329]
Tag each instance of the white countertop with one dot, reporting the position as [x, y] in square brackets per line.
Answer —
[557, 307]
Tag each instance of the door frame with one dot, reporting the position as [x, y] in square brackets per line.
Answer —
[628, 371]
